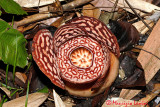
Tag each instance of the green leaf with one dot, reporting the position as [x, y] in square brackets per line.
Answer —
[43, 90]
[12, 46]
[12, 7]
[3, 26]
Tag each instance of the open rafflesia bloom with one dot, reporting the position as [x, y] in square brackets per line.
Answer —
[81, 57]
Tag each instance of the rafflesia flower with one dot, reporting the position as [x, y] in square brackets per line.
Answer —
[81, 57]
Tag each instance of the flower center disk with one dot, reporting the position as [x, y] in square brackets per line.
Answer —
[81, 60]
[81, 57]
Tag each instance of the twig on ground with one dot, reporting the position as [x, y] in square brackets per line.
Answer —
[46, 15]
[138, 15]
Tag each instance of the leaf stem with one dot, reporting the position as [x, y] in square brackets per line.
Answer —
[26, 102]
[4, 99]
[15, 61]
[9, 87]
[7, 67]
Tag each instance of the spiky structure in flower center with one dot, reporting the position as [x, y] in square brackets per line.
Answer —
[81, 57]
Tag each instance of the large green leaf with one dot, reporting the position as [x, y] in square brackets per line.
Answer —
[12, 7]
[4, 26]
[12, 46]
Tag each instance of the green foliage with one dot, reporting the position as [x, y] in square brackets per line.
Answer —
[43, 90]
[12, 46]
[9, 87]
[7, 73]
[12, 7]
[5, 98]
[26, 102]
[3, 26]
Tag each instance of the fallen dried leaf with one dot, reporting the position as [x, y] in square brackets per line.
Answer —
[142, 29]
[103, 4]
[127, 35]
[35, 3]
[58, 100]
[138, 4]
[34, 100]
[158, 105]
[155, 16]
[137, 50]
[6, 91]
[137, 79]
[57, 22]
[49, 21]
[69, 102]
[122, 73]
[149, 62]
[155, 2]
[91, 11]
[21, 76]
[152, 95]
